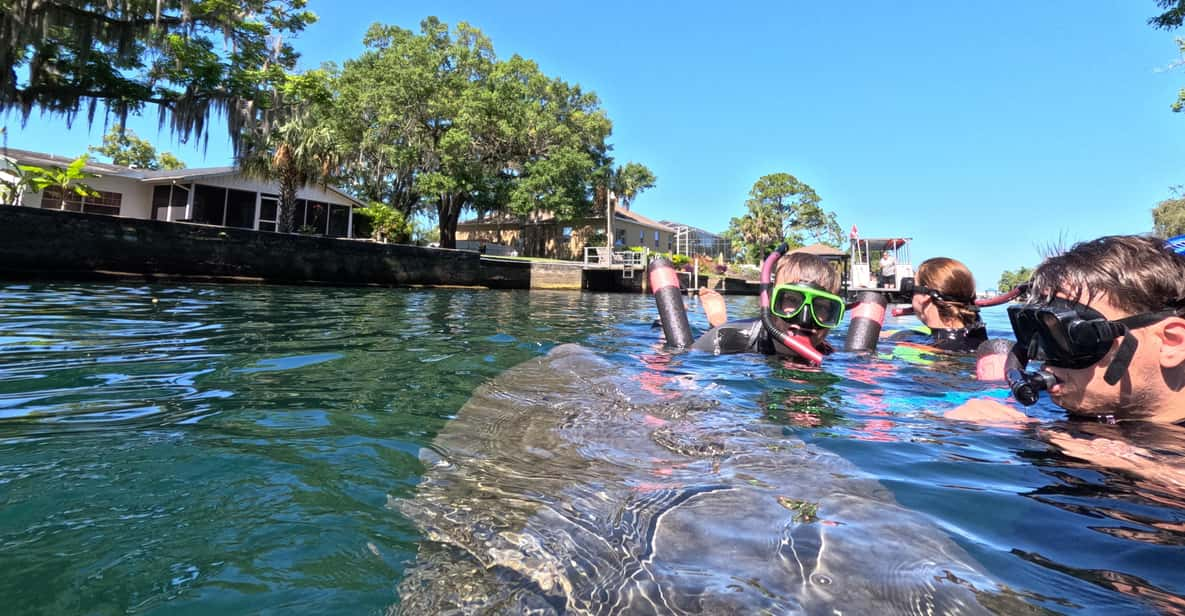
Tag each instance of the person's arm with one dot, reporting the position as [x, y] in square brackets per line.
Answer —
[989, 412]
[714, 307]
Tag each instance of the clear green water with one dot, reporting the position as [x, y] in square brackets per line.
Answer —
[237, 449]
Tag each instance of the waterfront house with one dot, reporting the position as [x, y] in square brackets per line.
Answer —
[542, 235]
[219, 196]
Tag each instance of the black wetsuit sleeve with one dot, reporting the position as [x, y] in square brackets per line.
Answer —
[732, 337]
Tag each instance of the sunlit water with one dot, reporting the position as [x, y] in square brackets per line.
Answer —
[247, 449]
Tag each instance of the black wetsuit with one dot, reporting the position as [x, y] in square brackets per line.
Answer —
[959, 340]
[744, 336]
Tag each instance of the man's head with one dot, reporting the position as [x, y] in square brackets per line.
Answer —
[807, 269]
[1122, 277]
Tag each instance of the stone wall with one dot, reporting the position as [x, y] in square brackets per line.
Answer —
[37, 243]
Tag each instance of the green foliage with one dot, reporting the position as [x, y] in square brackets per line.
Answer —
[1168, 217]
[65, 179]
[290, 144]
[680, 260]
[1171, 19]
[438, 121]
[630, 180]
[123, 147]
[1010, 279]
[384, 223]
[187, 57]
[781, 208]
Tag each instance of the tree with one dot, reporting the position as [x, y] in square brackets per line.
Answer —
[1168, 217]
[1010, 279]
[383, 223]
[1171, 19]
[123, 147]
[781, 208]
[290, 144]
[189, 58]
[626, 183]
[441, 123]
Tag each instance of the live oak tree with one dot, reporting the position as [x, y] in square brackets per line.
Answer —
[442, 124]
[123, 147]
[1168, 217]
[189, 58]
[781, 208]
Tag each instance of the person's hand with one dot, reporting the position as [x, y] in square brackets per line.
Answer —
[714, 307]
[989, 412]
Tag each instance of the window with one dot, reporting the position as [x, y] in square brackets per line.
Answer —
[316, 217]
[269, 208]
[240, 209]
[642, 237]
[619, 237]
[656, 239]
[567, 232]
[168, 202]
[339, 220]
[209, 205]
[105, 203]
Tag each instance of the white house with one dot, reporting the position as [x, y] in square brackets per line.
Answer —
[219, 196]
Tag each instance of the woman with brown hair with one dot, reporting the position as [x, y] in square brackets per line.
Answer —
[944, 301]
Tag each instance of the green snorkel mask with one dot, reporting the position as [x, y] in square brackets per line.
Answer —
[791, 301]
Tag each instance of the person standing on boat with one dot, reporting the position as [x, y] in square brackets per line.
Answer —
[888, 265]
[944, 301]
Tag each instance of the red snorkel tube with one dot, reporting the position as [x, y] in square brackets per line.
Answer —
[1003, 298]
[799, 344]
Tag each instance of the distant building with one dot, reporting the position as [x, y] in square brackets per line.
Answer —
[219, 196]
[692, 241]
[542, 235]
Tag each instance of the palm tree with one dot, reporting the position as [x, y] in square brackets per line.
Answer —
[298, 151]
[623, 184]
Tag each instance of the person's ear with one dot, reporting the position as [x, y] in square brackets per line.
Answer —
[1172, 342]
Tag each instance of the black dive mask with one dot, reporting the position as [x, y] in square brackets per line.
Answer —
[1066, 334]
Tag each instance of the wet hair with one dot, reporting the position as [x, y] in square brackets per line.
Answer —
[803, 267]
[952, 279]
[1137, 273]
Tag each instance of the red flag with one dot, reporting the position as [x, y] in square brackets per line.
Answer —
[854, 235]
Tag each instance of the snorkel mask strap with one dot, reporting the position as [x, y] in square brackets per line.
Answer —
[804, 350]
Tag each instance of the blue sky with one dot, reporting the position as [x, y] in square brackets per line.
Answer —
[985, 131]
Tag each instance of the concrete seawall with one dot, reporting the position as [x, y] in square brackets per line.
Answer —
[41, 244]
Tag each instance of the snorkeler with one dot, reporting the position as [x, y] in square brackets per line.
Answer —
[800, 308]
[1105, 318]
[944, 301]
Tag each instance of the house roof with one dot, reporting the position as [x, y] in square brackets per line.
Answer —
[821, 250]
[635, 217]
[150, 176]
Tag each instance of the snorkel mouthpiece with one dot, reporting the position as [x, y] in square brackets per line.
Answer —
[799, 344]
[1026, 387]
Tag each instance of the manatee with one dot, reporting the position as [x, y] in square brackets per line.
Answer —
[563, 486]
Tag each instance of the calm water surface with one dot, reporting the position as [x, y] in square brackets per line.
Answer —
[243, 449]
